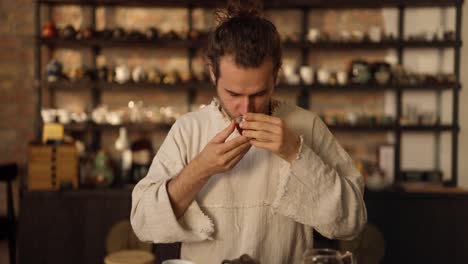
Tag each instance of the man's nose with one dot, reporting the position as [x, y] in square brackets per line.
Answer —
[246, 105]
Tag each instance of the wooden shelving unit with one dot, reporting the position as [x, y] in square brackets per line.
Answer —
[399, 44]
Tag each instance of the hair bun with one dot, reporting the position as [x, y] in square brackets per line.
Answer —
[244, 8]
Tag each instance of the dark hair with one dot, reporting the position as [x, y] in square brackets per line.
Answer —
[244, 34]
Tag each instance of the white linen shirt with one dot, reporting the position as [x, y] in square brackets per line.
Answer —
[265, 206]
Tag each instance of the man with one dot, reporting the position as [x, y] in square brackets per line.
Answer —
[260, 189]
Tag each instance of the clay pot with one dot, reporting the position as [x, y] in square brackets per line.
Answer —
[49, 30]
[68, 32]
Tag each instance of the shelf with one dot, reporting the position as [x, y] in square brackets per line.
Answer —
[431, 44]
[130, 86]
[73, 127]
[268, 4]
[424, 128]
[109, 43]
[390, 128]
[372, 45]
[105, 86]
[135, 126]
[361, 128]
[69, 85]
[371, 87]
[165, 43]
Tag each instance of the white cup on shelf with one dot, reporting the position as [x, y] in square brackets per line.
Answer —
[313, 35]
[375, 34]
[342, 77]
[307, 74]
[323, 76]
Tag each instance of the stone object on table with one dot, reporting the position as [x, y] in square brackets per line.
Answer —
[244, 259]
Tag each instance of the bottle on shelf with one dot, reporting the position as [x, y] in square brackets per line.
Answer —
[142, 153]
[124, 155]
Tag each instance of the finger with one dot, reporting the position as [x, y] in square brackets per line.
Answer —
[261, 126]
[223, 135]
[241, 150]
[264, 145]
[233, 143]
[237, 158]
[262, 118]
[261, 135]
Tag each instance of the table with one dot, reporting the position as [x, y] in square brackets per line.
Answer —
[421, 227]
[71, 226]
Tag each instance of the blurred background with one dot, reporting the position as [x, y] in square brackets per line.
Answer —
[89, 89]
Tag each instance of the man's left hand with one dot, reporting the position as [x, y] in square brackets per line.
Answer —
[271, 133]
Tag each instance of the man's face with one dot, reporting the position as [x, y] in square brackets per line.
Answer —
[243, 90]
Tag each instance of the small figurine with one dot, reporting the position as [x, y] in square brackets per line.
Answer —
[118, 33]
[86, 33]
[382, 72]
[54, 71]
[103, 172]
[151, 33]
[360, 72]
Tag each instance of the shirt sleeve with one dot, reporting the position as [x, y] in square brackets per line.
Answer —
[322, 188]
[152, 217]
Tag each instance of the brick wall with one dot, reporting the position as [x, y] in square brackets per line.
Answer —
[16, 79]
[17, 100]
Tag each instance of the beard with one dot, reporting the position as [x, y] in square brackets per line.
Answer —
[224, 108]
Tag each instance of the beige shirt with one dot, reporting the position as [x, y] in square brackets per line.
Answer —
[265, 206]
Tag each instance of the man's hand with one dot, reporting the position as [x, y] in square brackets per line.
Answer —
[271, 133]
[219, 156]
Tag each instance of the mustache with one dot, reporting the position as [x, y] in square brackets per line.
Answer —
[231, 116]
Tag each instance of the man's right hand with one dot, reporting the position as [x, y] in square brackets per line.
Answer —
[220, 155]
